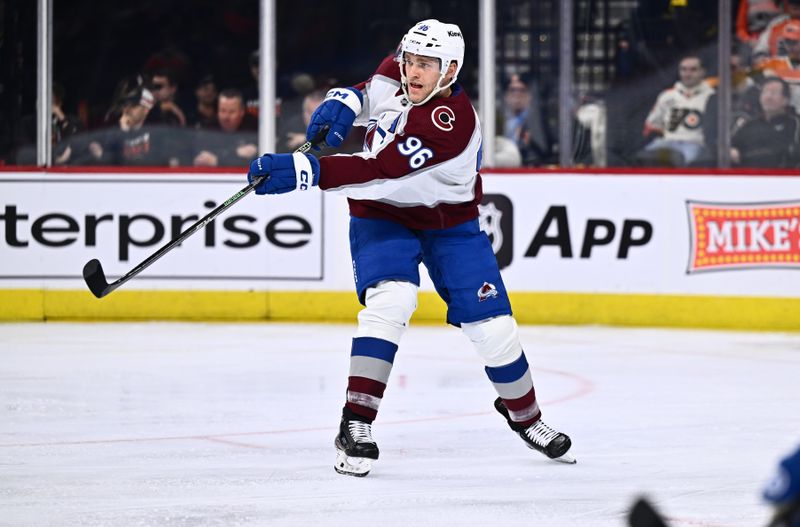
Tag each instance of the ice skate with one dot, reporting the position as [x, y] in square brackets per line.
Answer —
[541, 437]
[355, 448]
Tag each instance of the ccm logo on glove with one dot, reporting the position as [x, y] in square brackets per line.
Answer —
[338, 112]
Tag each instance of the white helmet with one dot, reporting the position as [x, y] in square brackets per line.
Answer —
[431, 38]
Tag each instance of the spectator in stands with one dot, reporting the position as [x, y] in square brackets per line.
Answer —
[63, 128]
[130, 142]
[236, 141]
[292, 128]
[677, 118]
[744, 93]
[773, 139]
[753, 17]
[290, 104]
[524, 124]
[204, 114]
[787, 67]
[770, 42]
[744, 106]
[164, 86]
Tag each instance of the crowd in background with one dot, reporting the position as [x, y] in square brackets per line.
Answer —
[154, 121]
[635, 124]
[681, 128]
[172, 112]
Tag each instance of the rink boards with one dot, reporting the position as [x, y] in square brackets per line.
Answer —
[691, 250]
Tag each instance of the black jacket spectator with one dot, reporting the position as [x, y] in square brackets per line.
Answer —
[235, 143]
[769, 143]
[773, 139]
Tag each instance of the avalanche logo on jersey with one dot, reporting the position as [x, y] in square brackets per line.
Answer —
[487, 291]
[443, 118]
[381, 131]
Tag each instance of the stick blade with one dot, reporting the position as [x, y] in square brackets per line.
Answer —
[95, 278]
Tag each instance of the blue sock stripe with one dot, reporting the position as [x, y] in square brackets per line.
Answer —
[375, 348]
[509, 372]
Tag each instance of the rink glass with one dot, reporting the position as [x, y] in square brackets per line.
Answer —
[623, 53]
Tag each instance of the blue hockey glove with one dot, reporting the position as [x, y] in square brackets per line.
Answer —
[285, 172]
[784, 488]
[338, 110]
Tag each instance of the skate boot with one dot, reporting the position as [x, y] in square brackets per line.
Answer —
[541, 437]
[355, 448]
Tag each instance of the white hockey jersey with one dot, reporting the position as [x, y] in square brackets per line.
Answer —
[420, 163]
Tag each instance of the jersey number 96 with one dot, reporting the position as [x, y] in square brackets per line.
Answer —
[413, 147]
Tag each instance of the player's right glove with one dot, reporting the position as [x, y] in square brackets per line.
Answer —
[284, 172]
[338, 110]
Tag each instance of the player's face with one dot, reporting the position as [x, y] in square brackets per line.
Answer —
[422, 74]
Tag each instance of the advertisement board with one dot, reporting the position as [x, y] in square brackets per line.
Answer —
[52, 224]
[640, 234]
[573, 248]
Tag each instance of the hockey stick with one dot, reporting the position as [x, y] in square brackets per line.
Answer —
[93, 271]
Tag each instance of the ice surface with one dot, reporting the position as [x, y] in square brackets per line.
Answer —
[233, 424]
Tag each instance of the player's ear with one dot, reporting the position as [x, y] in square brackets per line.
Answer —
[451, 68]
[451, 71]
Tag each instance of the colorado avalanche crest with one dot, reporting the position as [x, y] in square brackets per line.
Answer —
[443, 118]
[487, 291]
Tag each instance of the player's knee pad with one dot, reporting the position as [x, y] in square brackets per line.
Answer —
[390, 305]
[496, 339]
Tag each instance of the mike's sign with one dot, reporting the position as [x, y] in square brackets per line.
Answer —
[743, 235]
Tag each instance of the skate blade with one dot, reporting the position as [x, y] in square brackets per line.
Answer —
[352, 466]
[566, 458]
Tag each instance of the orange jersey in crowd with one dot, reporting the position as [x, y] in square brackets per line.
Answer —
[781, 67]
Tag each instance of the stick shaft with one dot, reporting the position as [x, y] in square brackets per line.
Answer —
[202, 222]
[198, 225]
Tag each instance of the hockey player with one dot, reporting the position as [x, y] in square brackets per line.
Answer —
[414, 193]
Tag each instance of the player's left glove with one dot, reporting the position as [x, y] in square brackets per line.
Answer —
[338, 111]
[285, 172]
